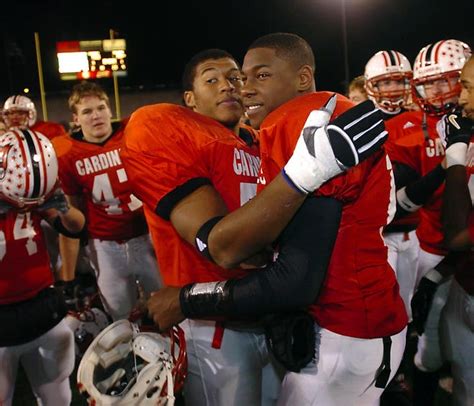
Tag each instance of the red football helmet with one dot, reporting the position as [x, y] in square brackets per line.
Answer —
[388, 66]
[127, 366]
[28, 168]
[436, 73]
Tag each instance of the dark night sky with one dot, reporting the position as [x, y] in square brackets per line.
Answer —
[156, 53]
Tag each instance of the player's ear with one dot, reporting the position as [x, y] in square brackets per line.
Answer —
[305, 78]
[75, 119]
[188, 98]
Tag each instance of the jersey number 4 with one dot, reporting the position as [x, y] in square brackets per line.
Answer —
[102, 193]
[22, 229]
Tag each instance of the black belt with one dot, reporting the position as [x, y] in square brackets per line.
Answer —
[383, 373]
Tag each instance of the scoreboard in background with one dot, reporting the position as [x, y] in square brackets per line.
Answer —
[91, 59]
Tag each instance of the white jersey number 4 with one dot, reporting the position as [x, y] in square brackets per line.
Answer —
[22, 229]
[103, 194]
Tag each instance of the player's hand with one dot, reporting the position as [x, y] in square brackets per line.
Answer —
[5, 207]
[325, 150]
[56, 201]
[70, 291]
[357, 133]
[457, 129]
[458, 132]
[164, 308]
[422, 300]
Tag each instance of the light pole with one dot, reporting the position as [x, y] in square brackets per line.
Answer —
[344, 44]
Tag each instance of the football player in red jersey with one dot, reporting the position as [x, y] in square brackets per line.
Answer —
[34, 332]
[20, 112]
[285, 283]
[419, 173]
[94, 180]
[387, 75]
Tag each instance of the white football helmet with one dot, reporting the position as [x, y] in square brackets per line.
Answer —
[86, 325]
[28, 168]
[388, 65]
[126, 366]
[441, 61]
[19, 103]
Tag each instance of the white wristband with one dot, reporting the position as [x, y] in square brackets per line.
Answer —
[456, 154]
[434, 276]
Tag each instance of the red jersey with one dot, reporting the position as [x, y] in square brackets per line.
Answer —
[422, 151]
[169, 152]
[360, 296]
[24, 261]
[399, 126]
[95, 172]
[48, 128]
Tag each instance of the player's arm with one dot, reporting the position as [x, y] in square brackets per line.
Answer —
[414, 191]
[323, 151]
[456, 209]
[292, 281]
[242, 233]
[457, 203]
[69, 238]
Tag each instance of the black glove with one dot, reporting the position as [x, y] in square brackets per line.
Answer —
[357, 133]
[291, 339]
[69, 290]
[421, 303]
[56, 201]
[457, 129]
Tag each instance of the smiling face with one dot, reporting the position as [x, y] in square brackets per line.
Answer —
[270, 81]
[216, 91]
[93, 115]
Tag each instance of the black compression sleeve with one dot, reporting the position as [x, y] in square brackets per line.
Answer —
[59, 227]
[292, 281]
[421, 190]
[403, 175]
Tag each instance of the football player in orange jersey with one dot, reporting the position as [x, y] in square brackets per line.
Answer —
[34, 332]
[285, 62]
[94, 180]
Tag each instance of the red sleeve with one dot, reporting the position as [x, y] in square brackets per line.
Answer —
[156, 143]
[63, 146]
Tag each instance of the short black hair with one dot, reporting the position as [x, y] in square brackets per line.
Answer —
[189, 73]
[288, 46]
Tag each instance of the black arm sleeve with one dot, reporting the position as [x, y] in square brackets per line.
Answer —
[403, 175]
[292, 281]
[422, 189]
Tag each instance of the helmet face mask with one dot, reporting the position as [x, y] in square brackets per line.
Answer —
[437, 103]
[126, 366]
[19, 112]
[436, 71]
[387, 80]
[28, 168]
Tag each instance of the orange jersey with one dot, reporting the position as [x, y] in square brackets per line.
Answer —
[423, 151]
[169, 152]
[24, 261]
[360, 296]
[95, 172]
[49, 128]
